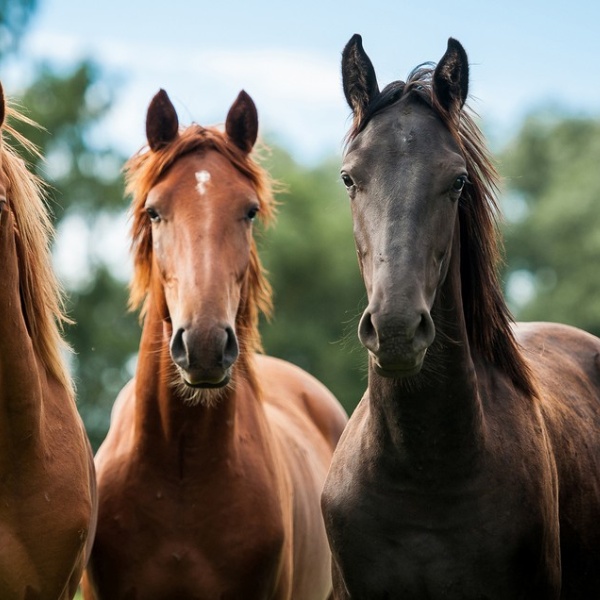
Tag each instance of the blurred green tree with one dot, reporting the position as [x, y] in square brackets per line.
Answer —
[552, 209]
[318, 291]
[14, 18]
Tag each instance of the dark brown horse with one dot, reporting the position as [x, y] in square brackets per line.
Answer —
[471, 467]
[47, 489]
[211, 474]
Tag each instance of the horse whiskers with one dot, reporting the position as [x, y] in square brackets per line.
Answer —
[195, 396]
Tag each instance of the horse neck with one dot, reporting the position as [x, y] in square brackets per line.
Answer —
[434, 420]
[163, 418]
[21, 370]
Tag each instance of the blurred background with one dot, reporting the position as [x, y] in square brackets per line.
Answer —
[87, 71]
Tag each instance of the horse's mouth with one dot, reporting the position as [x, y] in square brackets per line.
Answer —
[205, 380]
[394, 368]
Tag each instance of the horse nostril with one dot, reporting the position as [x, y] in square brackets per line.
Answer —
[367, 333]
[179, 352]
[230, 349]
[425, 329]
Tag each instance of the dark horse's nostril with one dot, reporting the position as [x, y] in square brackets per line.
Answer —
[367, 333]
[179, 352]
[231, 349]
[426, 329]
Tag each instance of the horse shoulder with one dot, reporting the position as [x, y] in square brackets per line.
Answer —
[353, 452]
[49, 477]
[566, 365]
[290, 389]
[119, 439]
[306, 421]
[565, 362]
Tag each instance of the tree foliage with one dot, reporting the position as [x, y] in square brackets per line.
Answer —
[318, 291]
[14, 18]
[552, 236]
[553, 209]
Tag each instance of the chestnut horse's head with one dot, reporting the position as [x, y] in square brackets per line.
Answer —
[196, 196]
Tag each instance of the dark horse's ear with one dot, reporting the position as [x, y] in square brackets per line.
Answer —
[451, 77]
[162, 124]
[241, 124]
[2, 106]
[358, 77]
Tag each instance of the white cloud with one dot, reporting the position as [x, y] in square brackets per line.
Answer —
[298, 94]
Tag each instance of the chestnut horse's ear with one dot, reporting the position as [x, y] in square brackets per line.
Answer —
[2, 106]
[162, 124]
[358, 77]
[241, 124]
[451, 77]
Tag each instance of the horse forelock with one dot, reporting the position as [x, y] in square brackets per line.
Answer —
[42, 297]
[145, 169]
[488, 319]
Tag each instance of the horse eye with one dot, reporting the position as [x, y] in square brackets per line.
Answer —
[347, 180]
[459, 183]
[251, 215]
[152, 214]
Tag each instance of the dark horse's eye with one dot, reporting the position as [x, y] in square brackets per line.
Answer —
[459, 184]
[152, 214]
[347, 180]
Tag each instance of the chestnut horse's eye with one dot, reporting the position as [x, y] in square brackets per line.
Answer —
[153, 214]
[251, 215]
[347, 180]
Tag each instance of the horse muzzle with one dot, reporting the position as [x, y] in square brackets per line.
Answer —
[205, 356]
[397, 345]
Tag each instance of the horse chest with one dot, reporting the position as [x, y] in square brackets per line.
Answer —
[393, 538]
[211, 544]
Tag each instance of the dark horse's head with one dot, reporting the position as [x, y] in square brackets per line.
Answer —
[423, 192]
[196, 194]
[405, 172]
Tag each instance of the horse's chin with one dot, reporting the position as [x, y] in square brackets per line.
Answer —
[194, 391]
[398, 369]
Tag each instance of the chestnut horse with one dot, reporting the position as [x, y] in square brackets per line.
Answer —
[471, 467]
[48, 490]
[211, 474]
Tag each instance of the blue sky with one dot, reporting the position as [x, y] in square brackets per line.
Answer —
[523, 54]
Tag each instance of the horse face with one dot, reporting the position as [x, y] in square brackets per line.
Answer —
[404, 173]
[404, 176]
[201, 213]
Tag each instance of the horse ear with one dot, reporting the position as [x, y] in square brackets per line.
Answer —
[451, 77]
[358, 77]
[162, 124]
[241, 124]
[2, 106]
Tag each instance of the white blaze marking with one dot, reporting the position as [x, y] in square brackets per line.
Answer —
[202, 177]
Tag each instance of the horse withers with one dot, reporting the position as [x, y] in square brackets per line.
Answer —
[211, 474]
[48, 489]
[471, 467]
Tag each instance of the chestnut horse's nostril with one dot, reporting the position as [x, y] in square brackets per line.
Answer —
[231, 348]
[179, 352]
